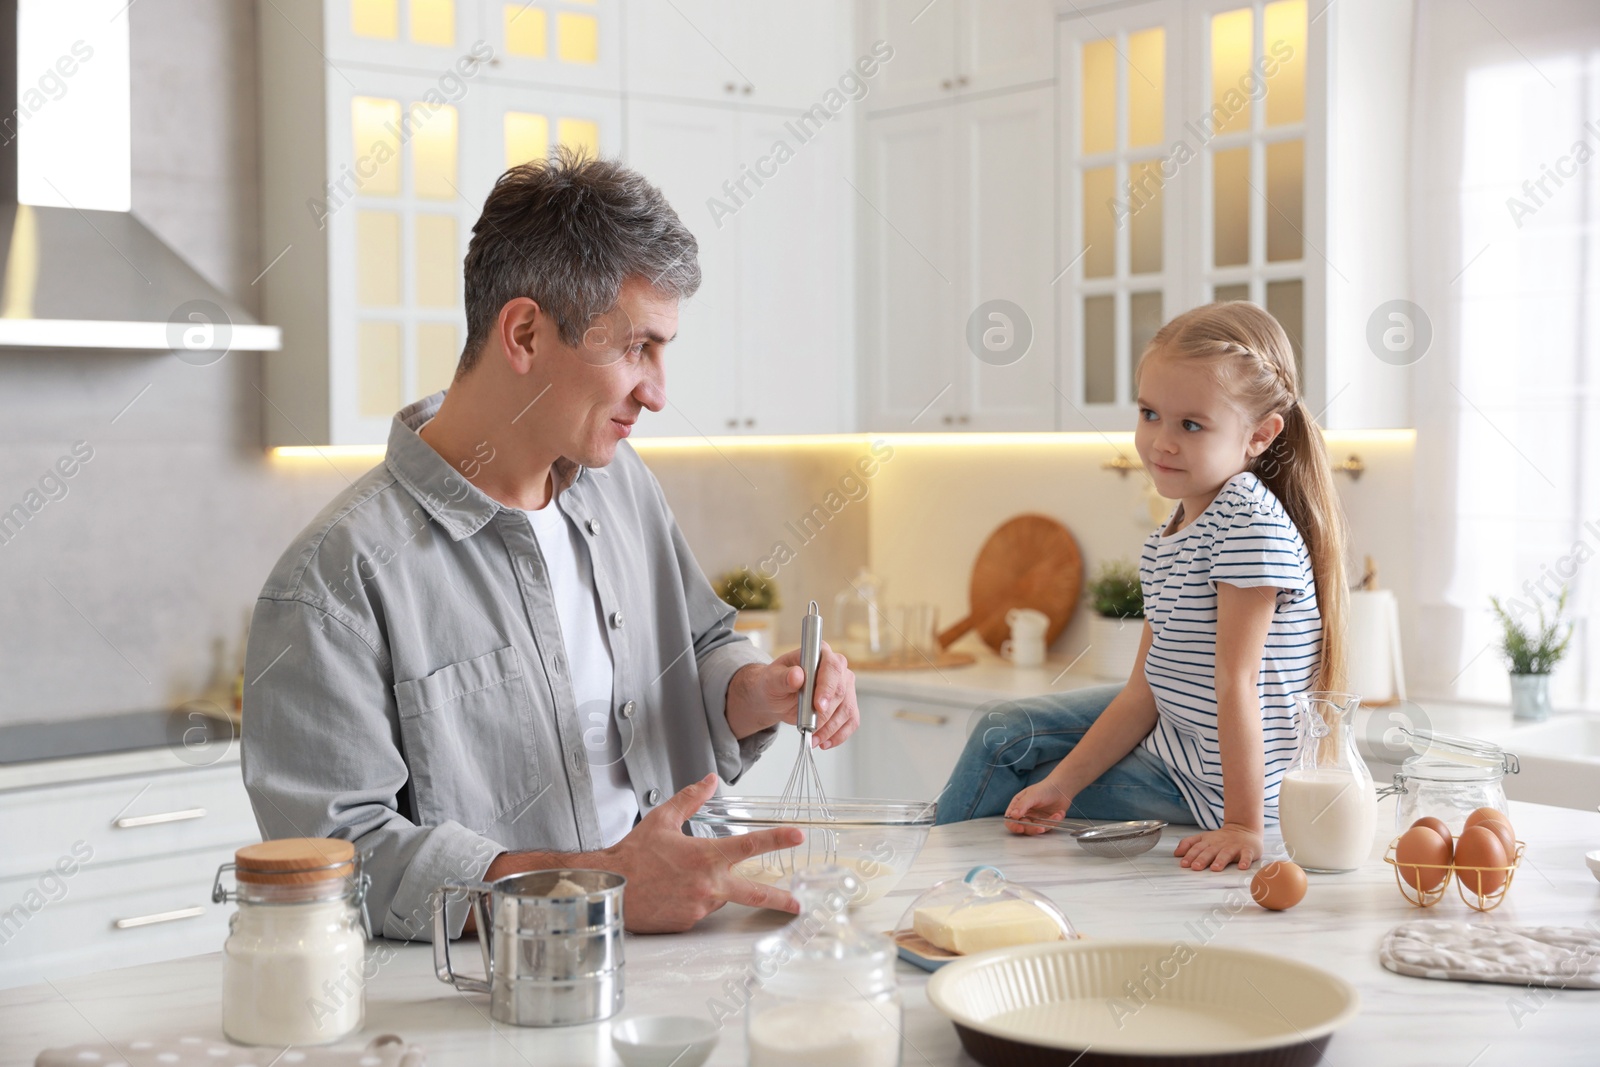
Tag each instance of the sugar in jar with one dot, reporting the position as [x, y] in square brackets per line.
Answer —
[293, 964]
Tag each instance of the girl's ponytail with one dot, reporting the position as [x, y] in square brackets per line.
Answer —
[1254, 362]
[1296, 468]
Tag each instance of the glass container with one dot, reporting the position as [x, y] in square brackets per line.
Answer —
[828, 993]
[293, 966]
[1327, 805]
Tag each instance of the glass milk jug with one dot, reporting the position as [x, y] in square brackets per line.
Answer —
[827, 993]
[1327, 805]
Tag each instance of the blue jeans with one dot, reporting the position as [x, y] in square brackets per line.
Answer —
[1019, 743]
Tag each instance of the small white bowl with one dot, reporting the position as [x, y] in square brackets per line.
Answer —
[664, 1040]
[1593, 859]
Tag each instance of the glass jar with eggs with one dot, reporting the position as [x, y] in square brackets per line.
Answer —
[1448, 778]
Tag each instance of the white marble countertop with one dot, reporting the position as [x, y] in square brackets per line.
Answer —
[1403, 1020]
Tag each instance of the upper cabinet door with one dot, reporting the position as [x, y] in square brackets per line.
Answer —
[1007, 315]
[796, 276]
[798, 55]
[568, 43]
[785, 55]
[912, 331]
[1125, 203]
[689, 152]
[520, 123]
[925, 64]
[418, 35]
[396, 236]
[685, 49]
[1002, 44]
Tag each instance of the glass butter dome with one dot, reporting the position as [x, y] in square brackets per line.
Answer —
[982, 911]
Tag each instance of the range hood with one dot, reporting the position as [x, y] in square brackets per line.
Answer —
[72, 277]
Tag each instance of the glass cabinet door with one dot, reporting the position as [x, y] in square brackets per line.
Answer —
[1254, 200]
[568, 43]
[426, 36]
[399, 224]
[1120, 259]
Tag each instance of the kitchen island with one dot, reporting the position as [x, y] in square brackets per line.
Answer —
[1403, 1021]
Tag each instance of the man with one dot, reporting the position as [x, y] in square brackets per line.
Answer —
[494, 652]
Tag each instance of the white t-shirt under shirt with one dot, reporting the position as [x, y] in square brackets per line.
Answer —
[589, 656]
[1244, 538]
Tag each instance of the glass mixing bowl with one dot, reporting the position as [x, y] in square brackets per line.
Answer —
[877, 839]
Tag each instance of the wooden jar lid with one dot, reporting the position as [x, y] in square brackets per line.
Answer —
[295, 861]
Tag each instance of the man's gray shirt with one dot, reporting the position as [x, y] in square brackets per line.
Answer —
[408, 689]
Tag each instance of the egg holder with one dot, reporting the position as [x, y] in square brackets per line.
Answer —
[1427, 898]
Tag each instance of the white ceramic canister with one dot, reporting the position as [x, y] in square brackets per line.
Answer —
[293, 967]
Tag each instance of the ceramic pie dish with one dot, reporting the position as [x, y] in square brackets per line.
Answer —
[1123, 1003]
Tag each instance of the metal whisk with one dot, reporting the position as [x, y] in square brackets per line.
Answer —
[804, 800]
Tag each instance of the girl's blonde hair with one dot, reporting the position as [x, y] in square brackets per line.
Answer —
[1248, 352]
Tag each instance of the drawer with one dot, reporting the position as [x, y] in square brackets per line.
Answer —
[909, 746]
[114, 915]
[121, 819]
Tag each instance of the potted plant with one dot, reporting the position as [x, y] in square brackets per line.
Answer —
[756, 599]
[1118, 604]
[1532, 654]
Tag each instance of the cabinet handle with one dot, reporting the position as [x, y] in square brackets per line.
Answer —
[963, 420]
[922, 717]
[729, 87]
[160, 917]
[128, 822]
[961, 80]
[748, 89]
[732, 423]
[948, 419]
[945, 84]
[749, 422]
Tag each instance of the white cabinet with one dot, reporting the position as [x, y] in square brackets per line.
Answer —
[952, 47]
[376, 166]
[765, 346]
[688, 152]
[374, 170]
[110, 872]
[906, 749]
[1195, 165]
[960, 328]
[771, 55]
[572, 44]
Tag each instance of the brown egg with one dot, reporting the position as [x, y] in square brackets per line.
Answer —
[1479, 846]
[1278, 886]
[1507, 836]
[1486, 813]
[1423, 858]
[1436, 824]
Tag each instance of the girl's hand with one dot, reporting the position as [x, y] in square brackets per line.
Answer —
[1044, 800]
[1217, 848]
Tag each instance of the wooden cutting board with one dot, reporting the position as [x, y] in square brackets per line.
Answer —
[1031, 561]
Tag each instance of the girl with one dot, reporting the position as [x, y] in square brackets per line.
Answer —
[1245, 603]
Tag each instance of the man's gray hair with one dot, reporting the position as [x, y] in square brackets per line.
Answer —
[566, 232]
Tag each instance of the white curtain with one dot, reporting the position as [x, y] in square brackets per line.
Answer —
[1505, 192]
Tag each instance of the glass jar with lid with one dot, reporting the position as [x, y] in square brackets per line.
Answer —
[293, 967]
[1449, 778]
[828, 992]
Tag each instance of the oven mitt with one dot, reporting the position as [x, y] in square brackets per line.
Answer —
[1567, 957]
[385, 1051]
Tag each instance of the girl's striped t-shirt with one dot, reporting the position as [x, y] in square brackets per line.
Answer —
[1244, 538]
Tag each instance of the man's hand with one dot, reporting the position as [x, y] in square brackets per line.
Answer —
[760, 696]
[674, 881]
[1218, 848]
